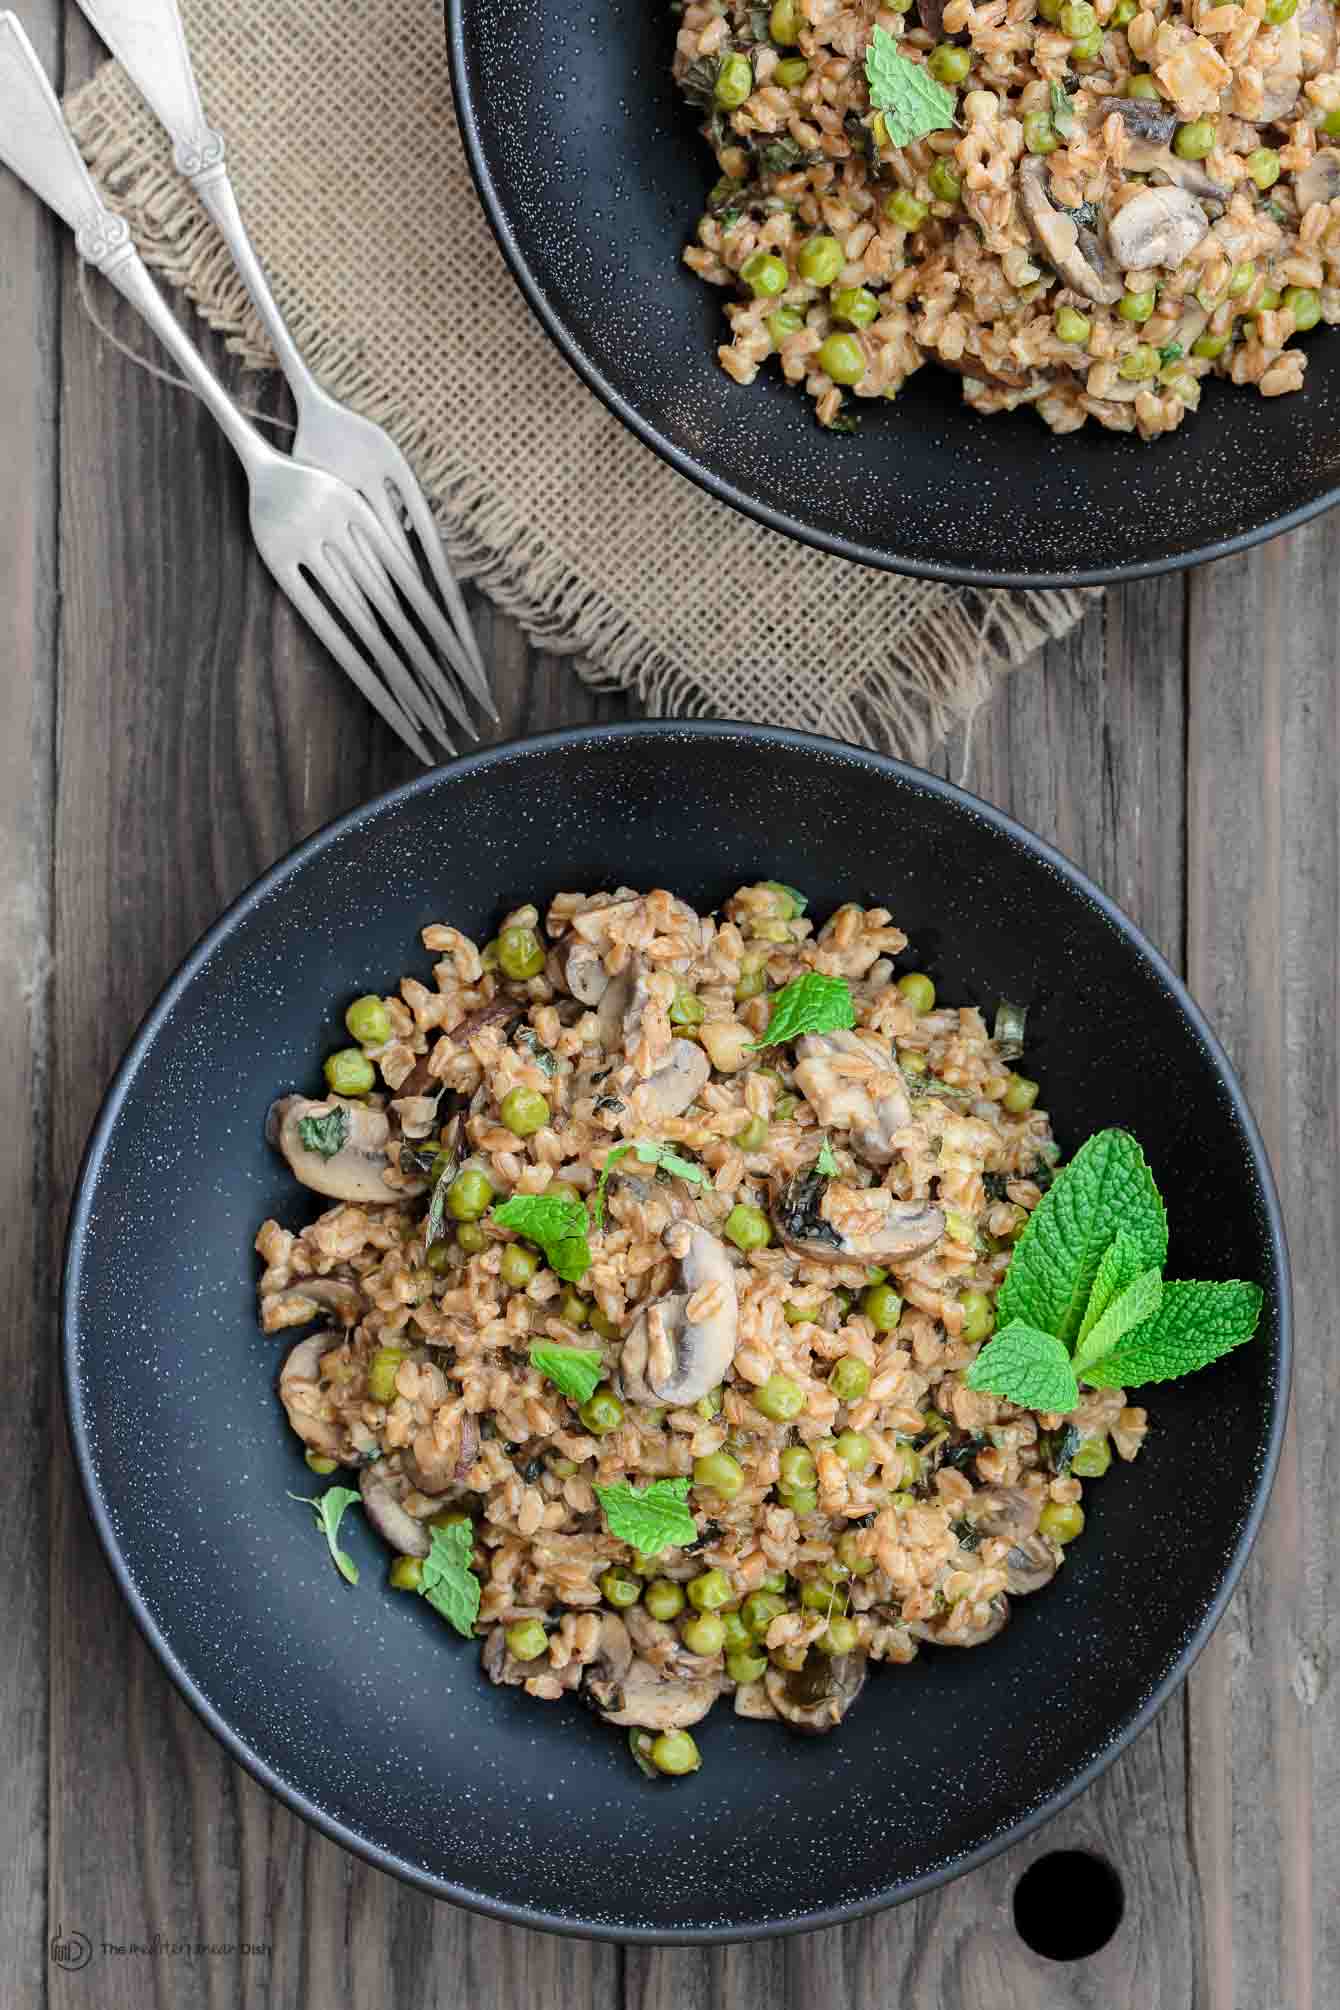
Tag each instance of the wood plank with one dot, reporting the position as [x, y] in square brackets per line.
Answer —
[29, 336]
[1085, 748]
[1264, 903]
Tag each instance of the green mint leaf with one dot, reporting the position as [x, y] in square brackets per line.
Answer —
[574, 1370]
[655, 1519]
[1063, 111]
[650, 1152]
[1170, 352]
[799, 901]
[543, 1057]
[329, 1509]
[1129, 1309]
[1027, 1367]
[906, 93]
[447, 1581]
[809, 1004]
[1119, 1265]
[1194, 1325]
[325, 1135]
[1106, 1189]
[826, 1163]
[598, 1204]
[557, 1223]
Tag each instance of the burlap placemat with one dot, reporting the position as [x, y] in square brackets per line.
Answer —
[353, 181]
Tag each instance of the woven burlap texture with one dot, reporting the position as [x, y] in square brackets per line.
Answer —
[353, 181]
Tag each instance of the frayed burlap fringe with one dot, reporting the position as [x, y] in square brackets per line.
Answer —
[527, 473]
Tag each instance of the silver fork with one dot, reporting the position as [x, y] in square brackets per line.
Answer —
[149, 42]
[311, 529]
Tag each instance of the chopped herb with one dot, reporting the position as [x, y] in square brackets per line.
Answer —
[826, 1163]
[447, 1581]
[969, 1538]
[653, 1519]
[557, 1224]
[575, 1370]
[1085, 217]
[1063, 111]
[329, 1509]
[1170, 352]
[728, 218]
[912, 102]
[545, 1060]
[415, 1159]
[777, 156]
[614, 1103]
[845, 422]
[1058, 1448]
[959, 1457]
[437, 1205]
[650, 1152]
[640, 1744]
[699, 81]
[325, 1135]
[809, 1004]
[1008, 1032]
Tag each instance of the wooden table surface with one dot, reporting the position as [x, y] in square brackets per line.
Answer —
[168, 731]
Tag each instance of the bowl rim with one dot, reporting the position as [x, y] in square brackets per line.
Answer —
[77, 1414]
[727, 492]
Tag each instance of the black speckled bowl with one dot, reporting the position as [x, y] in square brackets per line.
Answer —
[358, 1706]
[593, 177]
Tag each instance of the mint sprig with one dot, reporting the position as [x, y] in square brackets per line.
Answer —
[654, 1519]
[325, 1135]
[809, 1004]
[557, 1224]
[1084, 1300]
[649, 1152]
[329, 1509]
[574, 1370]
[446, 1579]
[912, 102]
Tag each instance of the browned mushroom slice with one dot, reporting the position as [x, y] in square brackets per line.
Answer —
[1148, 150]
[1320, 179]
[498, 1012]
[1011, 1512]
[337, 1148]
[1146, 120]
[905, 1227]
[622, 1003]
[1076, 254]
[436, 1468]
[583, 970]
[679, 1348]
[816, 1697]
[678, 1082]
[1159, 226]
[310, 1298]
[842, 1102]
[931, 14]
[383, 1490]
[944, 1633]
[652, 1701]
[301, 1394]
[1032, 1562]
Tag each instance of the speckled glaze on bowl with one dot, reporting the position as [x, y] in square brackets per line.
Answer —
[593, 176]
[358, 1706]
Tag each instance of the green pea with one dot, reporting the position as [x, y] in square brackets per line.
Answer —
[948, 64]
[1125, 11]
[883, 1306]
[602, 1412]
[817, 1595]
[946, 184]
[674, 1752]
[620, 1588]
[786, 1106]
[843, 358]
[719, 1471]
[606, 1328]
[747, 1227]
[1241, 277]
[791, 71]
[1142, 86]
[764, 274]
[1209, 346]
[754, 1135]
[917, 991]
[850, 1552]
[368, 1021]
[1137, 306]
[735, 80]
[1040, 135]
[819, 260]
[851, 1376]
[524, 1111]
[742, 1666]
[406, 1574]
[517, 1266]
[1263, 165]
[855, 306]
[663, 1598]
[905, 210]
[797, 1314]
[709, 1590]
[785, 23]
[1077, 18]
[1021, 1094]
[317, 1462]
[979, 1316]
[686, 1008]
[773, 1580]
[1061, 1523]
[454, 1518]
[855, 1450]
[1277, 12]
[1330, 125]
[382, 1371]
[780, 1399]
[1087, 47]
[1049, 10]
[797, 1467]
[841, 1637]
[349, 1073]
[1193, 141]
[759, 1610]
[1302, 302]
[800, 1500]
[754, 980]
[734, 1630]
[1071, 326]
[704, 1634]
[709, 1406]
[527, 1640]
[470, 1195]
[470, 1240]
[520, 954]
[1266, 303]
[1092, 1459]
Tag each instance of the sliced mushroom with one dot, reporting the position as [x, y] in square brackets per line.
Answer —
[1076, 253]
[306, 1300]
[1148, 150]
[1145, 119]
[356, 1171]
[1317, 37]
[938, 1630]
[622, 1003]
[1011, 1512]
[650, 1700]
[841, 1103]
[436, 1469]
[497, 1013]
[931, 14]
[583, 970]
[300, 1393]
[1159, 226]
[614, 1652]
[1284, 79]
[1031, 1563]
[669, 1357]
[381, 1487]
[1320, 179]
[816, 1697]
[677, 1083]
[907, 1227]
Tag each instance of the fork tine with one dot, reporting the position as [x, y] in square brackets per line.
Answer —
[430, 537]
[370, 575]
[349, 660]
[406, 577]
[335, 576]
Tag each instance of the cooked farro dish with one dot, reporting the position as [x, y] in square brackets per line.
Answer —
[1087, 206]
[660, 1248]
